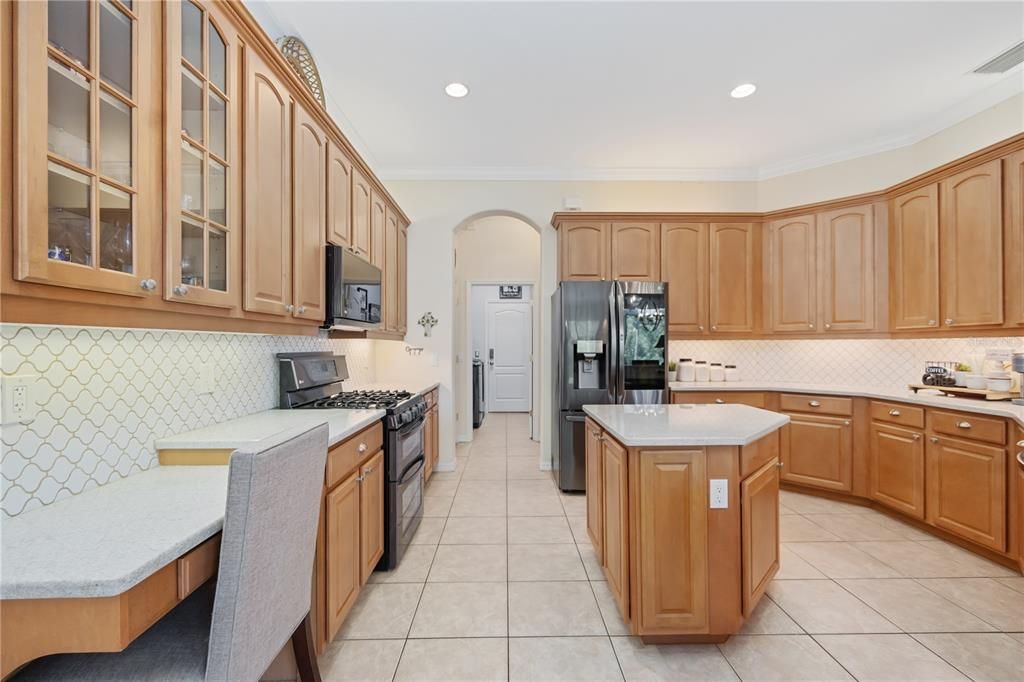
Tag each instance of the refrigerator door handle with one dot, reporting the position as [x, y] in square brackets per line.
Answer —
[611, 357]
[576, 418]
[620, 354]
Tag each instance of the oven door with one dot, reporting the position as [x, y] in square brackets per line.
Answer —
[407, 446]
[410, 505]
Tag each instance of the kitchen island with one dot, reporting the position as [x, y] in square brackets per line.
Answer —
[683, 513]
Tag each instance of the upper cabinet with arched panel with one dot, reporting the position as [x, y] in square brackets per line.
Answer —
[86, 193]
[203, 173]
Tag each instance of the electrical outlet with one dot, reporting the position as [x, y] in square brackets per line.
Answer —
[207, 378]
[19, 404]
[719, 493]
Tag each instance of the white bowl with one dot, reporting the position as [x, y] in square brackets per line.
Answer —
[1001, 384]
[976, 381]
[961, 378]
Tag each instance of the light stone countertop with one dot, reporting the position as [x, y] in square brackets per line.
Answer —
[253, 428]
[109, 539]
[413, 387]
[927, 398]
[679, 425]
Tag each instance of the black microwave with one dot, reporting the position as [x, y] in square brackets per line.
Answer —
[353, 291]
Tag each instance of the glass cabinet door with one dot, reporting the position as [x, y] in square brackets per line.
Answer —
[78, 111]
[644, 341]
[202, 174]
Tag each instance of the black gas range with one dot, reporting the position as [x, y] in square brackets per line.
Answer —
[313, 381]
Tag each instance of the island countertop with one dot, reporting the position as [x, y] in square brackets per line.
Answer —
[682, 425]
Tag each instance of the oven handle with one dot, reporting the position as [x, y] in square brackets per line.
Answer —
[412, 470]
[412, 426]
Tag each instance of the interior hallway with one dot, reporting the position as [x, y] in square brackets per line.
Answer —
[502, 584]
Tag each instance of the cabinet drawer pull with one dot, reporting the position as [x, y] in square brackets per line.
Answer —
[933, 439]
[963, 425]
[778, 465]
[894, 413]
[917, 436]
[1020, 444]
[949, 320]
[814, 403]
[714, 327]
[828, 325]
[368, 471]
[931, 323]
[359, 479]
[846, 423]
[362, 447]
[719, 401]
[810, 326]
[1020, 457]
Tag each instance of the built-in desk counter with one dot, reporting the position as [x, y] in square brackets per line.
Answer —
[683, 513]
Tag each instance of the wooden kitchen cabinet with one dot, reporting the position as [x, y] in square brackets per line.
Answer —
[268, 185]
[752, 398]
[966, 490]
[1013, 238]
[339, 196]
[636, 251]
[431, 436]
[584, 251]
[760, 538]
[378, 227]
[309, 215]
[672, 529]
[684, 267]
[595, 489]
[616, 521]
[914, 260]
[202, 157]
[897, 469]
[847, 269]
[371, 515]
[733, 274]
[87, 183]
[791, 275]
[817, 451]
[971, 247]
[361, 203]
[391, 267]
[343, 538]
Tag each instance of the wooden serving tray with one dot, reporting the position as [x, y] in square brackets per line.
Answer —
[961, 392]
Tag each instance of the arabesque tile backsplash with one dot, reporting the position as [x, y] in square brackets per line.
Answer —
[106, 395]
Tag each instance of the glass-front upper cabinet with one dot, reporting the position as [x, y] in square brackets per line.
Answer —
[86, 207]
[203, 237]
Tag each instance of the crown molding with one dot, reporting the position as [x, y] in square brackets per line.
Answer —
[1005, 88]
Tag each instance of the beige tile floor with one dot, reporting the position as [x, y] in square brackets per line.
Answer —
[502, 584]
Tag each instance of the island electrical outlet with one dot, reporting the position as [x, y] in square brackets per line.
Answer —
[719, 493]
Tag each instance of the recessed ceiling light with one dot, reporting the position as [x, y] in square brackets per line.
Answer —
[456, 90]
[744, 90]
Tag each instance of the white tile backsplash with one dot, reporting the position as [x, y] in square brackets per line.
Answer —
[873, 362]
[105, 396]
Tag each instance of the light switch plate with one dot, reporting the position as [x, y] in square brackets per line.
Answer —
[719, 493]
[19, 400]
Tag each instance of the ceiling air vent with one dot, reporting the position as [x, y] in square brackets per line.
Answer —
[1004, 62]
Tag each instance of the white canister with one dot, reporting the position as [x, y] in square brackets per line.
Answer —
[684, 370]
[731, 373]
[716, 372]
[700, 370]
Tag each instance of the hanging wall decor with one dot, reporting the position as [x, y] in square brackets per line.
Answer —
[428, 322]
[300, 59]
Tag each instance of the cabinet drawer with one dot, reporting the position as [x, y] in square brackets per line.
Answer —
[198, 566]
[895, 413]
[969, 426]
[346, 456]
[816, 404]
[719, 397]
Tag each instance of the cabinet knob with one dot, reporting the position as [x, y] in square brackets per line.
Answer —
[289, 307]
[933, 439]
[1020, 444]
[894, 412]
[846, 422]
[963, 425]
[828, 326]
[949, 320]
[362, 447]
[814, 403]
[147, 284]
[719, 401]
[931, 323]
[916, 436]
[369, 470]
[700, 327]
[714, 327]
[810, 325]
[302, 309]
[180, 290]
[778, 465]
[359, 479]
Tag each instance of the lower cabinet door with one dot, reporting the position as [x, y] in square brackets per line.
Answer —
[818, 451]
[595, 492]
[759, 504]
[342, 548]
[616, 522]
[371, 515]
[967, 490]
[897, 469]
[429, 445]
[673, 542]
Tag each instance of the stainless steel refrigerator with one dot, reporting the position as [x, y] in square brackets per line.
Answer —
[610, 347]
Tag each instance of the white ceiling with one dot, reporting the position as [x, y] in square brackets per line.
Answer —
[591, 90]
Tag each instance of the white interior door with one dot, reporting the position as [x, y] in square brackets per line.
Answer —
[509, 346]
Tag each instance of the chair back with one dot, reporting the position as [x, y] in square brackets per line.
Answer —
[266, 552]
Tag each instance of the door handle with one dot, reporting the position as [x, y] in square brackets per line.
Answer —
[490, 357]
[575, 418]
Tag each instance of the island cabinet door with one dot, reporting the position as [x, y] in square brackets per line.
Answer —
[616, 522]
[342, 552]
[759, 503]
[897, 469]
[595, 492]
[672, 539]
[966, 490]
[818, 451]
